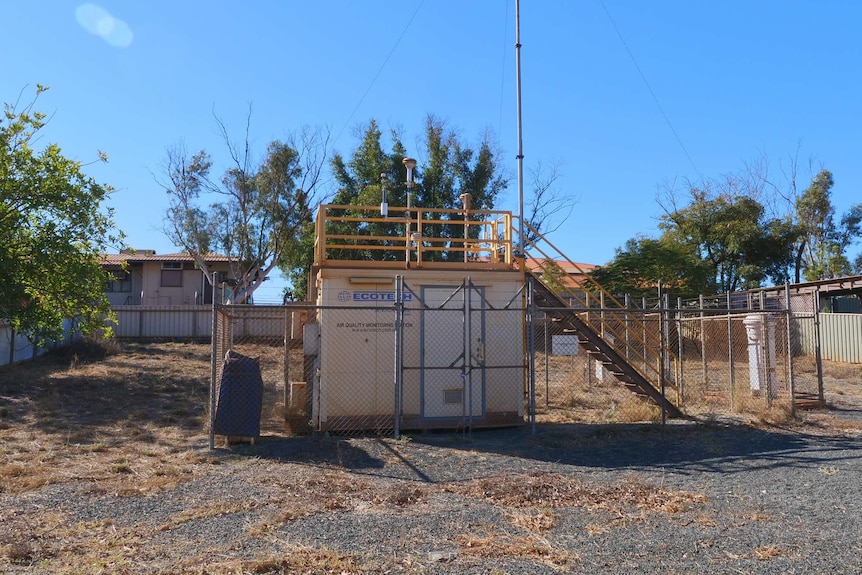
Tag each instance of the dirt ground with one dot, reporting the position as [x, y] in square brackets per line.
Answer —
[104, 468]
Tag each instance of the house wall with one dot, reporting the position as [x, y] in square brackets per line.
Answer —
[133, 296]
[147, 288]
[154, 293]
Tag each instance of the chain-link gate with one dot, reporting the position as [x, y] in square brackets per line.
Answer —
[805, 341]
[464, 361]
[257, 361]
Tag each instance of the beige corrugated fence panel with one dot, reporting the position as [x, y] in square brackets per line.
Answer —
[841, 337]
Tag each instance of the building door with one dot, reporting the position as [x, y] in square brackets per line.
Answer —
[453, 372]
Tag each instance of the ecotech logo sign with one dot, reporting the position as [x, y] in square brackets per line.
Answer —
[371, 296]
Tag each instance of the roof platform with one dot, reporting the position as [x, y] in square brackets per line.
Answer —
[420, 238]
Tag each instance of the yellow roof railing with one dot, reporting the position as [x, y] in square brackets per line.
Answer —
[359, 236]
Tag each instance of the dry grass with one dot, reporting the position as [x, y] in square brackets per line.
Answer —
[570, 392]
[129, 421]
[552, 491]
[765, 552]
[497, 544]
[300, 560]
[126, 419]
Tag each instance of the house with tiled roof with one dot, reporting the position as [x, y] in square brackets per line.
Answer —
[572, 275]
[143, 277]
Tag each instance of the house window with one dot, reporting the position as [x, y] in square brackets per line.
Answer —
[172, 274]
[120, 282]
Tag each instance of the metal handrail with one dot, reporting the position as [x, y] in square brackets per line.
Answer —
[492, 248]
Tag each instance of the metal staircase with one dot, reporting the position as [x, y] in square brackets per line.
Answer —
[630, 343]
[599, 348]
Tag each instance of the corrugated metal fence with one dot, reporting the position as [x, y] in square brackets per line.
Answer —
[840, 333]
[840, 336]
[15, 348]
[169, 322]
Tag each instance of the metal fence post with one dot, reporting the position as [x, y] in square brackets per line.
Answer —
[730, 351]
[213, 361]
[627, 321]
[399, 351]
[468, 351]
[679, 370]
[818, 352]
[791, 382]
[703, 375]
[288, 327]
[547, 359]
[531, 350]
[661, 352]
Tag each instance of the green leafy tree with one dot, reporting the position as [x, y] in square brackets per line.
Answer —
[821, 249]
[732, 234]
[452, 168]
[53, 230]
[369, 175]
[720, 240]
[638, 268]
[448, 168]
[257, 214]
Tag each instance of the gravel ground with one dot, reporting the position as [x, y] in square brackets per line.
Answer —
[686, 498]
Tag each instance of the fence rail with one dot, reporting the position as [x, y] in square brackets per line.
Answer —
[840, 334]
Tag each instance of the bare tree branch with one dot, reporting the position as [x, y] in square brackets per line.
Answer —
[549, 207]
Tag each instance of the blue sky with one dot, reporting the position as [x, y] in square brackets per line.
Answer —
[627, 95]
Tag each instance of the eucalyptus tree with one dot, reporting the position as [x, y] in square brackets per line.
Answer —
[821, 249]
[54, 228]
[258, 213]
[732, 234]
[716, 237]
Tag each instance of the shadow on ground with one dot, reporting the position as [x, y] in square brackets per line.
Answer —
[685, 448]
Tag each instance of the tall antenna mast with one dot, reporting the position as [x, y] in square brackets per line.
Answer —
[520, 138]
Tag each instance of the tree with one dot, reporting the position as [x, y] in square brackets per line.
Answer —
[548, 207]
[369, 175]
[729, 229]
[722, 239]
[822, 245]
[259, 211]
[639, 267]
[53, 230]
[448, 168]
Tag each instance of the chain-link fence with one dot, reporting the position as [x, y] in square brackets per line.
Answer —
[470, 355]
[257, 357]
[710, 362]
[440, 356]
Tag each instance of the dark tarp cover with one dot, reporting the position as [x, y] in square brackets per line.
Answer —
[240, 397]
